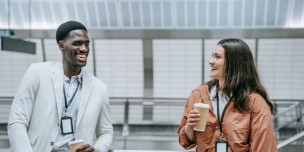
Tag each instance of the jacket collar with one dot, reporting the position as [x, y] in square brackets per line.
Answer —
[57, 80]
[85, 94]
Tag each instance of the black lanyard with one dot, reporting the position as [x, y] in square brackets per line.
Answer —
[65, 99]
[218, 114]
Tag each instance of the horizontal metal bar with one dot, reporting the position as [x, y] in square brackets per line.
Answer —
[295, 105]
[158, 98]
[290, 140]
[288, 123]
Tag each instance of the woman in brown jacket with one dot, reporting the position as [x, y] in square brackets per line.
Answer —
[236, 95]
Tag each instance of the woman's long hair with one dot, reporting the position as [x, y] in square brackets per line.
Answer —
[241, 77]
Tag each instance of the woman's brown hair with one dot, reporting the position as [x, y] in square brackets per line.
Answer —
[241, 77]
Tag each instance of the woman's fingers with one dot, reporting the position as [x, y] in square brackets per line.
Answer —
[193, 118]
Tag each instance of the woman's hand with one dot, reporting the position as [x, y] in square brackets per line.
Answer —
[192, 119]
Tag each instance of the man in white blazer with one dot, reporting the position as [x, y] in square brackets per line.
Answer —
[59, 101]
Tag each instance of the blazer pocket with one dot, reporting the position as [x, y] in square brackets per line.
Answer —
[239, 135]
[206, 137]
[32, 137]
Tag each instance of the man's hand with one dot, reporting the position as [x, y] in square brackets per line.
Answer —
[85, 148]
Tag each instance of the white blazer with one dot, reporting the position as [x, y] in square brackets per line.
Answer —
[35, 114]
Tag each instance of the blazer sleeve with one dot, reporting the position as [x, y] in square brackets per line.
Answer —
[262, 136]
[183, 138]
[20, 112]
[104, 129]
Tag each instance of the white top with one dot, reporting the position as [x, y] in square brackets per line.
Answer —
[70, 85]
[222, 101]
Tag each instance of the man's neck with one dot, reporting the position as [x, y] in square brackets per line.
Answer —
[70, 71]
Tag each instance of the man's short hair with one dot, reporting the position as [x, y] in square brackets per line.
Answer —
[65, 28]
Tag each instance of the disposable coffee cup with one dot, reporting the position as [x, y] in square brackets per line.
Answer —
[203, 110]
[75, 144]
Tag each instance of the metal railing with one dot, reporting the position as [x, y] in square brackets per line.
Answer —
[150, 102]
[288, 115]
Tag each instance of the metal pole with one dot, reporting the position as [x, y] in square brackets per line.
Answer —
[9, 14]
[301, 126]
[125, 129]
[30, 20]
[298, 115]
[94, 57]
[275, 120]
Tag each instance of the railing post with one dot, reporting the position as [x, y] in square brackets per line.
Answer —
[300, 127]
[125, 129]
[275, 120]
[301, 123]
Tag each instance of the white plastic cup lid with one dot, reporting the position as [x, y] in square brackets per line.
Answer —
[201, 105]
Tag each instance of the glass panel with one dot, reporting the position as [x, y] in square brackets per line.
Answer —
[120, 66]
[223, 18]
[113, 14]
[16, 17]
[248, 13]
[260, 12]
[213, 13]
[146, 11]
[177, 67]
[271, 12]
[3, 15]
[167, 16]
[81, 13]
[92, 14]
[48, 15]
[191, 19]
[297, 13]
[13, 67]
[202, 13]
[156, 14]
[283, 12]
[57, 9]
[237, 13]
[102, 14]
[125, 13]
[180, 13]
[135, 14]
[70, 10]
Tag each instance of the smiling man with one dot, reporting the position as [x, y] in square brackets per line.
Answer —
[58, 101]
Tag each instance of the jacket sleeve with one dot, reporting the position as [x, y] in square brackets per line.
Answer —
[183, 138]
[262, 136]
[20, 112]
[104, 129]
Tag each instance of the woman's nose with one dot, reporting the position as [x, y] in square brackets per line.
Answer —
[211, 61]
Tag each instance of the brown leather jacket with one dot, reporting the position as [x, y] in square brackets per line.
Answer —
[250, 131]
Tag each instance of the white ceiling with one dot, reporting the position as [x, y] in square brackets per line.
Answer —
[153, 14]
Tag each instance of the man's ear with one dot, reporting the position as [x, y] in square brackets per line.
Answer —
[61, 45]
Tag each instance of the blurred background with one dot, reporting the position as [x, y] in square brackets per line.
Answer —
[152, 53]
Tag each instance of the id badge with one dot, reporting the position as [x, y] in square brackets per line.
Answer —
[221, 146]
[66, 125]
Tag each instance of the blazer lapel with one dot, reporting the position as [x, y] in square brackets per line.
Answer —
[85, 94]
[57, 79]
